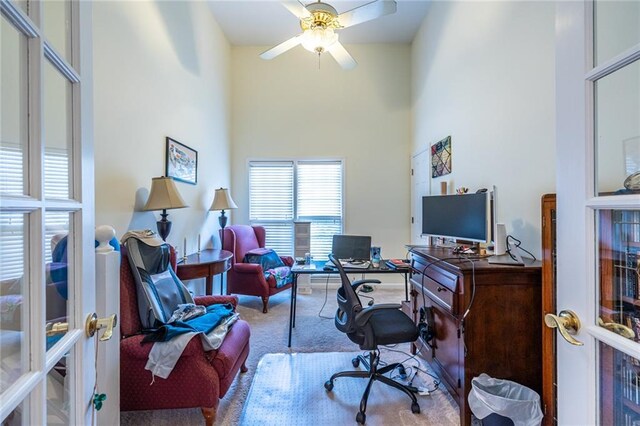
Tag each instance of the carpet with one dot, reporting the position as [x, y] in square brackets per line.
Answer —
[288, 390]
[314, 332]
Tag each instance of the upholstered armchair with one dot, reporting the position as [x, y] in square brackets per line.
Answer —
[249, 278]
[199, 378]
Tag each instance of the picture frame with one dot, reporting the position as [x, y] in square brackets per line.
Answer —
[181, 162]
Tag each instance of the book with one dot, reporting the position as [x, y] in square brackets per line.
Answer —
[398, 263]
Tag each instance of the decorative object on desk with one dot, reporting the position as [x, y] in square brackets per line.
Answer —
[181, 162]
[164, 196]
[462, 190]
[222, 201]
[441, 157]
[376, 256]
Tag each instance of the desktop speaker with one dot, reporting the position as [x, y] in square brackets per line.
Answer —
[500, 243]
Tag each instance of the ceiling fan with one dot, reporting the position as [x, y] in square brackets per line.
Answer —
[320, 21]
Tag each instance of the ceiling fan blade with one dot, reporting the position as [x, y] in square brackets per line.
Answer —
[365, 13]
[281, 48]
[341, 56]
[297, 8]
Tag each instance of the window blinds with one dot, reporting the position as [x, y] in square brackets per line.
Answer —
[280, 192]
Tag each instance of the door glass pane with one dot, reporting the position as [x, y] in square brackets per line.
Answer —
[57, 266]
[57, 134]
[619, 269]
[13, 297]
[56, 18]
[58, 392]
[16, 417]
[619, 387]
[617, 131]
[13, 110]
[617, 28]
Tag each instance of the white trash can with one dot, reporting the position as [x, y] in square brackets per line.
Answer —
[503, 402]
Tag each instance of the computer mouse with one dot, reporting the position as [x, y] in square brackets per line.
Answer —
[383, 268]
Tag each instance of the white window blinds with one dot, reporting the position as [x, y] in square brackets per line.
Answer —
[319, 189]
[280, 192]
[271, 202]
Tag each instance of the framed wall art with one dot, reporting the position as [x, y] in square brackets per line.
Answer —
[441, 158]
[181, 162]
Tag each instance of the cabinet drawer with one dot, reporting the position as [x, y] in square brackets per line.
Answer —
[440, 294]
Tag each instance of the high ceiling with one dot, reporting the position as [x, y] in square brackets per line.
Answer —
[267, 22]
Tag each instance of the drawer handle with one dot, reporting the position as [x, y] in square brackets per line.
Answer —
[440, 289]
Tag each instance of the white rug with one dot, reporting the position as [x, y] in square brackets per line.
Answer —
[288, 389]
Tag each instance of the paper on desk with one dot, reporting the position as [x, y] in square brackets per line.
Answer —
[307, 266]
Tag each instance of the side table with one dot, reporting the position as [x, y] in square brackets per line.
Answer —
[205, 264]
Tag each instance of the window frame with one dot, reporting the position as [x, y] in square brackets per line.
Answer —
[295, 162]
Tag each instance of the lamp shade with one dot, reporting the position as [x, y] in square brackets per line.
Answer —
[164, 195]
[222, 200]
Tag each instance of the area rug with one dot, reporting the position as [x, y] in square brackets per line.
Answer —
[288, 389]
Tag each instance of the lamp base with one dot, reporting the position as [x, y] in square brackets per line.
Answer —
[164, 226]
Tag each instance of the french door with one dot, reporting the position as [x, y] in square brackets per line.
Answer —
[47, 259]
[598, 208]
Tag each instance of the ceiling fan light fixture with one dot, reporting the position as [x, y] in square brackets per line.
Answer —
[318, 39]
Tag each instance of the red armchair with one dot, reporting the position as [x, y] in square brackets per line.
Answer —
[199, 378]
[248, 278]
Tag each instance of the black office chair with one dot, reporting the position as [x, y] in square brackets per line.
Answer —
[382, 324]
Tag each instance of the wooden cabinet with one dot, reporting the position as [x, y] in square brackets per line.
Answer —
[487, 320]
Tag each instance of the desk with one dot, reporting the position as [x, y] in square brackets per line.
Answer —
[205, 264]
[317, 268]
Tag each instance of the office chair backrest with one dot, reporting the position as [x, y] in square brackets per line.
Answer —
[348, 302]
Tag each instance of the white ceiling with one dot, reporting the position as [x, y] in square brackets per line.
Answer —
[267, 22]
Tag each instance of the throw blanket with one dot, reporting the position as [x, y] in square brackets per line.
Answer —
[202, 324]
[271, 264]
[164, 355]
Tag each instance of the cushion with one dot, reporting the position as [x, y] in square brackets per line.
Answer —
[267, 258]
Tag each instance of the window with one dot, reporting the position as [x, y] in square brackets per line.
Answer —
[281, 192]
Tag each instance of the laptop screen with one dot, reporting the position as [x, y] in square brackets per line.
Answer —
[351, 247]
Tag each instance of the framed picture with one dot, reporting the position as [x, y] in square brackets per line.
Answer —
[181, 162]
[441, 158]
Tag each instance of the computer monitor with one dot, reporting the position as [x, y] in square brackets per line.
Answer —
[463, 217]
[354, 247]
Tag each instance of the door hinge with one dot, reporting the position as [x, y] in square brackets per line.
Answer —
[459, 384]
[412, 219]
[411, 172]
[458, 333]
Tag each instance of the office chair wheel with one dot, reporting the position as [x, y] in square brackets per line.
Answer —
[328, 385]
[355, 362]
[415, 408]
[361, 417]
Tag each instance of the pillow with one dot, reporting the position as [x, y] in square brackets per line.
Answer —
[267, 258]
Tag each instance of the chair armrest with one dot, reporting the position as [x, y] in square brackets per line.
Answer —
[132, 348]
[288, 260]
[358, 283]
[248, 268]
[363, 316]
[215, 300]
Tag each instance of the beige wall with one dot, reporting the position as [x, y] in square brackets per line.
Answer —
[484, 72]
[161, 69]
[288, 108]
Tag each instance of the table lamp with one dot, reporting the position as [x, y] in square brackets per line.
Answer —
[164, 196]
[222, 201]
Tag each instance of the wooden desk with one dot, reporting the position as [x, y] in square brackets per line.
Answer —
[205, 264]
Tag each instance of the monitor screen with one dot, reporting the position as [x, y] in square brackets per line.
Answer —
[351, 247]
[463, 217]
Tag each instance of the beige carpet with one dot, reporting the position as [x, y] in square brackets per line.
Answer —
[288, 389]
[314, 333]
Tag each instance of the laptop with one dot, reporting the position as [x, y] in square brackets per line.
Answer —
[353, 251]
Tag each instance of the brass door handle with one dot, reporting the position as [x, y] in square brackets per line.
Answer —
[567, 324]
[57, 328]
[94, 324]
[620, 329]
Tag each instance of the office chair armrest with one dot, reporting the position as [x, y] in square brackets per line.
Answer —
[363, 316]
[358, 283]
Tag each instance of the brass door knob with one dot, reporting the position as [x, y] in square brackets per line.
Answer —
[620, 329]
[567, 324]
[94, 324]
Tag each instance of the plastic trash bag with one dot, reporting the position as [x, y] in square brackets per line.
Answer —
[506, 398]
